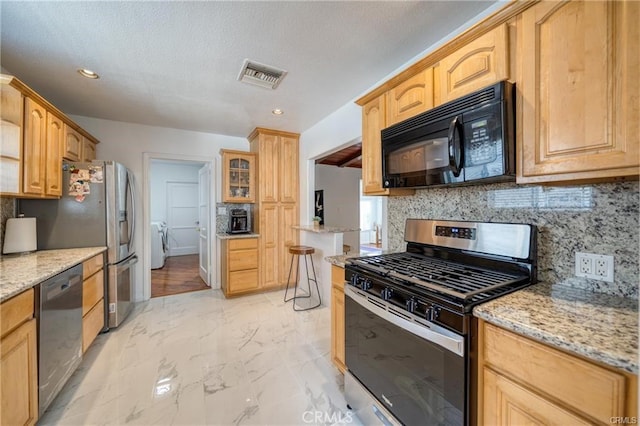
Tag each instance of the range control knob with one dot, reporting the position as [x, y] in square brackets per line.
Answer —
[432, 313]
[386, 293]
[365, 284]
[411, 305]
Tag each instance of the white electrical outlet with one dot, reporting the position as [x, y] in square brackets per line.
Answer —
[594, 266]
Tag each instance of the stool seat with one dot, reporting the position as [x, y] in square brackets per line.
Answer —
[301, 250]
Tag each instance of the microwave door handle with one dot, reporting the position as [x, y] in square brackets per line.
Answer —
[456, 153]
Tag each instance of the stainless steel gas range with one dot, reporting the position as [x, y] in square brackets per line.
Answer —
[409, 329]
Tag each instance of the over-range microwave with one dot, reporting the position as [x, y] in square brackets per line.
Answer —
[466, 141]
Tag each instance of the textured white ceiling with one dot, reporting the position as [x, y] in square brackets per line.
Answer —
[175, 64]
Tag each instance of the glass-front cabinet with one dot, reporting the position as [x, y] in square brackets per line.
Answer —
[238, 176]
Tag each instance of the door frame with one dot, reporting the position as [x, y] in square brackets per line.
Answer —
[146, 213]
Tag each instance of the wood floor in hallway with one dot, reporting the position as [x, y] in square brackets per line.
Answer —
[178, 275]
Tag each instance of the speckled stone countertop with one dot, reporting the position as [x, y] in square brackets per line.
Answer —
[598, 326]
[226, 236]
[21, 272]
[341, 259]
[324, 229]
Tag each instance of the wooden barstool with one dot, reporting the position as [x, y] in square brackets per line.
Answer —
[296, 252]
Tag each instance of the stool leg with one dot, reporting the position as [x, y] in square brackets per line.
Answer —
[289, 279]
[309, 279]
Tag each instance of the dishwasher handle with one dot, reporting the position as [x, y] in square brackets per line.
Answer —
[57, 286]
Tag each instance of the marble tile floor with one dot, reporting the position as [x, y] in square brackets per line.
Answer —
[200, 359]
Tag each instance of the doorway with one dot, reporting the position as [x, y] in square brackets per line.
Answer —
[178, 221]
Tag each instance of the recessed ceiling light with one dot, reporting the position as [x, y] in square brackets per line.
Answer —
[277, 111]
[88, 73]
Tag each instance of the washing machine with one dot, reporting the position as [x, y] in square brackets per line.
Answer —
[158, 244]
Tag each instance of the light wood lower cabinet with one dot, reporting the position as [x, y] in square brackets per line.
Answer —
[92, 299]
[526, 382]
[239, 266]
[18, 361]
[337, 318]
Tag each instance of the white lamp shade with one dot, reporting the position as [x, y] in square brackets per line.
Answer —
[20, 235]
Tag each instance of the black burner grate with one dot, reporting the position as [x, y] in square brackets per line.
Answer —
[455, 279]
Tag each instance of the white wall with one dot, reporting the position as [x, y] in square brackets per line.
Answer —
[127, 142]
[341, 187]
[160, 174]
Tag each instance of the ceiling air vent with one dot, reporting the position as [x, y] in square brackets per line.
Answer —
[261, 75]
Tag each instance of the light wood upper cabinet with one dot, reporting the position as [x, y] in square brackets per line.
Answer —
[238, 176]
[267, 146]
[373, 121]
[35, 143]
[480, 63]
[579, 116]
[88, 150]
[72, 144]
[411, 97]
[53, 163]
[12, 116]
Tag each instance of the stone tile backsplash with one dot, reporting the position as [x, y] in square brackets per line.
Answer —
[7, 210]
[599, 218]
[222, 220]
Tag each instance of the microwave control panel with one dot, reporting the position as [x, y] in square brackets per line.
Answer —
[482, 145]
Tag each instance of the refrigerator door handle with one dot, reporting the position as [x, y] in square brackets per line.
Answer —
[133, 210]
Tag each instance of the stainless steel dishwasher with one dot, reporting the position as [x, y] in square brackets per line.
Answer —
[59, 333]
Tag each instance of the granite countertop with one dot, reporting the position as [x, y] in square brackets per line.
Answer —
[21, 272]
[600, 327]
[341, 259]
[324, 229]
[225, 236]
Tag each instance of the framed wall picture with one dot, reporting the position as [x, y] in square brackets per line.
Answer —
[319, 205]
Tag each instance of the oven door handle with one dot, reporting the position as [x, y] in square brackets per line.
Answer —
[456, 151]
[435, 334]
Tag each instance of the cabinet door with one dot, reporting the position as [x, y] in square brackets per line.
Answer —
[19, 376]
[579, 111]
[53, 168]
[288, 169]
[288, 214]
[410, 97]
[270, 252]
[269, 152]
[478, 64]
[337, 317]
[373, 121]
[72, 144]
[88, 150]
[238, 177]
[508, 403]
[35, 142]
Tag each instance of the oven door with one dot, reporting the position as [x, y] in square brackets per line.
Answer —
[416, 372]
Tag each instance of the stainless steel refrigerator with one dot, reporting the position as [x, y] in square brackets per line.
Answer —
[97, 208]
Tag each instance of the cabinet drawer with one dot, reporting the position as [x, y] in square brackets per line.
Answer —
[91, 266]
[581, 385]
[243, 280]
[15, 311]
[240, 260]
[92, 291]
[243, 243]
[92, 323]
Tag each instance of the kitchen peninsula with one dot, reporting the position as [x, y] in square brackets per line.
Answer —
[328, 241]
